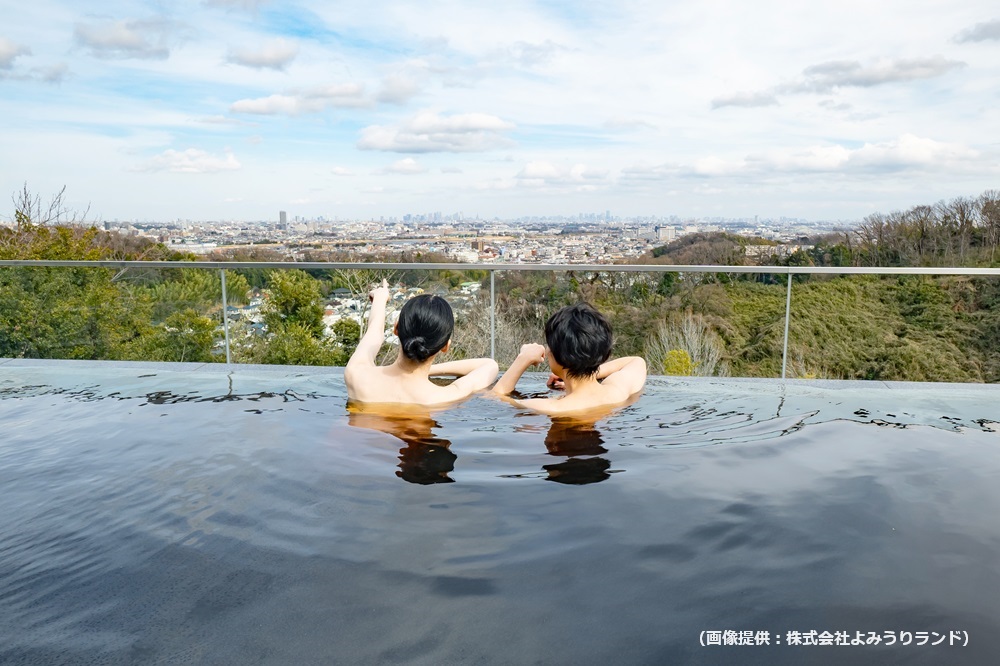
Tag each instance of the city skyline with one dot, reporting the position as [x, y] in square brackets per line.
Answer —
[236, 109]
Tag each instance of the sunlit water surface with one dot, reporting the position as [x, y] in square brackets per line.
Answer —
[158, 516]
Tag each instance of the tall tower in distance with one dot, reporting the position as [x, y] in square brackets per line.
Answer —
[283, 220]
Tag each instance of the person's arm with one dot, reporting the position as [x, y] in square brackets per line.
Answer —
[628, 373]
[370, 344]
[531, 354]
[457, 368]
[475, 378]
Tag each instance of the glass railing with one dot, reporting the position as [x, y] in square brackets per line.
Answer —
[925, 324]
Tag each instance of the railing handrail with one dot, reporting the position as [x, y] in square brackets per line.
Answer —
[221, 266]
[455, 266]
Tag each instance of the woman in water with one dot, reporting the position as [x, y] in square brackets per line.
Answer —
[424, 328]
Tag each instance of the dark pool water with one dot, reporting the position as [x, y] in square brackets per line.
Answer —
[155, 516]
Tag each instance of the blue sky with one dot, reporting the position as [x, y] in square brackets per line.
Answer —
[235, 109]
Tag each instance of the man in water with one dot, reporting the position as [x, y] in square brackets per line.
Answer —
[578, 345]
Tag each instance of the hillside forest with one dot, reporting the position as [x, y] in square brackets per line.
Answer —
[919, 328]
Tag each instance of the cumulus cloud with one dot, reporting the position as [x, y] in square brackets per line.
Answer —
[539, 173]
[981, 32]
[745, 99]
[397, 89]
[905, 153]
[191, 160]
[432, 133]
[829, 76]
[406, 167]
[276, 54]
[910, 151]
[9, 52]
[310, 100]
[126, 38]
[341, 171]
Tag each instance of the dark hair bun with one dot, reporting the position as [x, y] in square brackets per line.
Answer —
[425, 325]
[416, 348]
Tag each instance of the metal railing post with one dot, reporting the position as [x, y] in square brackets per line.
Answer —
[788, 307]
[493, 316]
[225, 313]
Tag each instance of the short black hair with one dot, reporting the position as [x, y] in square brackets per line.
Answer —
[425, 325]
[579, 338]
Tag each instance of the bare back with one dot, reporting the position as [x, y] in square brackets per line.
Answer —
[391, 384]
[407, 382]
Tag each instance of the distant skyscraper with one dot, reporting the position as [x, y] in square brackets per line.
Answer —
[282, 219]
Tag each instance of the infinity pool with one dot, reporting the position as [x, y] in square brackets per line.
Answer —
[179, 514]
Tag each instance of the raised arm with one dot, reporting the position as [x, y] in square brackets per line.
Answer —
[531, 354]
[627, 372]
[478, 373]
[370, 344]
[458, 368]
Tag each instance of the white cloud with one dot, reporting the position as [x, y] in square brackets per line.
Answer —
[191, 160]
[276, 54]
[981, 32]
[429, 132]
[407, 167]
[397, 89]
[451, 170]
[829, 76]
[126, 38]
[310, 100]
[271, 105]
[221, 120]
[9, 52]
[246, 5]
[909, 151]
[52, 74]
[341, 171]
[528, 54]
[642, 172]
[624, 123]
[905, 153]
[539, 173]
[745, 99]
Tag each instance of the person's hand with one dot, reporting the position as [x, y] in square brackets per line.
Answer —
[380, 294]
[555, 382]
[533, 353]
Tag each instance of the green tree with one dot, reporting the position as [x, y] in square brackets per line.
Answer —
[347, 333]
[293, 298]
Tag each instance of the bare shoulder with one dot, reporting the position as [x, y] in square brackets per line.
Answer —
[629, 379]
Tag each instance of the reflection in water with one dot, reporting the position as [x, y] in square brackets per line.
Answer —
[573, 437]
[425, 459]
